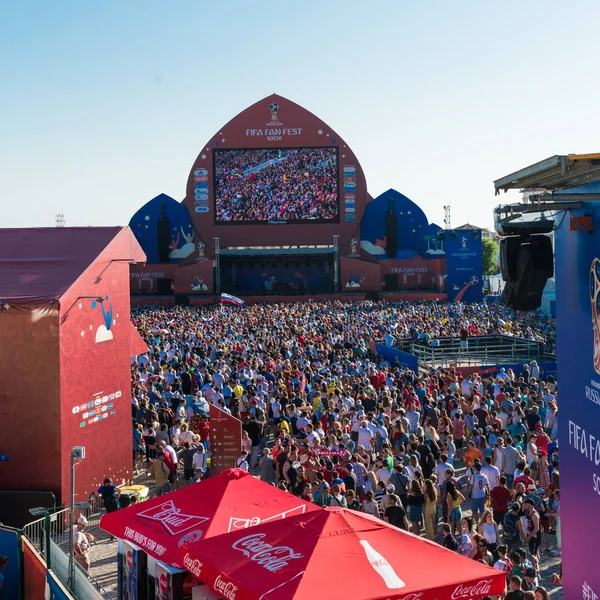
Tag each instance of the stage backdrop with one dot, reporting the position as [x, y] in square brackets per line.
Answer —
[578, 338]
[464, 265]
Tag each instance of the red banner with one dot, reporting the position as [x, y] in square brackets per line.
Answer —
[34, 570]
[330, 453]
[225, 440]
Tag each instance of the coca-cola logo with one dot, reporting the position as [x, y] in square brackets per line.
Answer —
[271, 558]
[164, 584]
[188, 584]
[193, 565]
[225, 588]
[130, 560]
[481, 588]
[414, 596]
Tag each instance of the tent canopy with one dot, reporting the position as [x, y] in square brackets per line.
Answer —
[335, 552]
[230, 501]
[41, 264]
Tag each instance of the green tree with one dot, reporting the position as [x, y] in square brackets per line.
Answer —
[490, 257]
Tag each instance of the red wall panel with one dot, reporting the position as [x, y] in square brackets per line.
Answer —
[29, 398]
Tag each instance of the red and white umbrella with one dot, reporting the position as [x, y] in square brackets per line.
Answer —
[335, 553]
[233, 500]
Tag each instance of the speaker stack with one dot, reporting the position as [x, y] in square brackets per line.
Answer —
[527, 262]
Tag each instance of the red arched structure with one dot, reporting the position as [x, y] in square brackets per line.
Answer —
[276, 123]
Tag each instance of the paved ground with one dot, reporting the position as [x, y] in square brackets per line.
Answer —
[104, 558]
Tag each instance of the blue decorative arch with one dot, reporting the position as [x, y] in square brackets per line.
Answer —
[413, 231]
[182, 237]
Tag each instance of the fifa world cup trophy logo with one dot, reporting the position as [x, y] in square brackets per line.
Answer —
[274, 108]
[353, 246]
[595, 301]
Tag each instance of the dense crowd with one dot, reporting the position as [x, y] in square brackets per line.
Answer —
[276, 185]
[471, 463]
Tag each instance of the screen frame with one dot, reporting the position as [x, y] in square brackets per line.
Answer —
[335, 220]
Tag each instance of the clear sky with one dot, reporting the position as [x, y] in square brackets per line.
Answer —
[106, 104]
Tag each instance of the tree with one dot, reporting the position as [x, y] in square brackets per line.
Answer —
[490, 256]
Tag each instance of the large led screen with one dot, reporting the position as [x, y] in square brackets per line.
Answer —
[276, 186]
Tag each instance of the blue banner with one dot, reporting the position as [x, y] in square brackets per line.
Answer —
[464, 265]
[56, 589]
[577, 271]
[393, 356]
[10, 564]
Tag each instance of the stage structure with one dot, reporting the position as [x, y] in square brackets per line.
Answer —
[277, 204]
[65, 346]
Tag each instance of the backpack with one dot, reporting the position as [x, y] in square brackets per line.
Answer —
[510, 533]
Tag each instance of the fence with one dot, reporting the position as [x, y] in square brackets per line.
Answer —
[52, 543]
[482, 350]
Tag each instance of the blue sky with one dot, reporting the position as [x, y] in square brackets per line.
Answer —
[106, 104]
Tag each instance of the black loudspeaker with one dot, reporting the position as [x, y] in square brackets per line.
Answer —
[531, 265]
[391, 282]
[163, 287]
[182, 300]
[508, 257]
[391, 222]
[162, 240]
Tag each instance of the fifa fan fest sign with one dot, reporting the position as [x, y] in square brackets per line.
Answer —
[464, 265]
[578, 336]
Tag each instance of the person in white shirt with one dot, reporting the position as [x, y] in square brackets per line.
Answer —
[81, 544]
[465, 387]
[175, 433]
[242, 462]
[365, 435]
[442, 467]
[491, 472]
[185, 435]
[199, 462]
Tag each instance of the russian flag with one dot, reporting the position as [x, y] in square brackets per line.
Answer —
[172, 322]
[228, 299]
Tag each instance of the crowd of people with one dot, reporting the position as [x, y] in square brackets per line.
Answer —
[276, 185]
[471, 463]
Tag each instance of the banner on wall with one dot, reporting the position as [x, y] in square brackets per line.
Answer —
[225, 440]
[464, 265]
[10, 563]
[577, 271]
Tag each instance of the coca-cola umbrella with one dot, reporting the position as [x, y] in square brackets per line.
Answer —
[230, 501]
[335, 553]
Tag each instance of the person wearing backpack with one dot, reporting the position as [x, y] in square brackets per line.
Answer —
[512, 528]
[337, 499]
[400, 481]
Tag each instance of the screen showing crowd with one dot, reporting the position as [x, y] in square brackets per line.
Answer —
[272, 185]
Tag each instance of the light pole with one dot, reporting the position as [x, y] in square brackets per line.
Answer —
[78, 453]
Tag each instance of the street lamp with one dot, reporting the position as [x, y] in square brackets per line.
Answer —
[78, 453]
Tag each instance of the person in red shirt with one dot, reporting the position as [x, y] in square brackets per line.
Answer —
[203, 429]
[501, 499]
[541, 440]
[525, 479]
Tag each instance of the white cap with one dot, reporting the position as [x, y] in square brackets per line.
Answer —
[82, 520]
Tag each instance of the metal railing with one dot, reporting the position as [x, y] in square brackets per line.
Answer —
[482, 350]
[50, 537]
